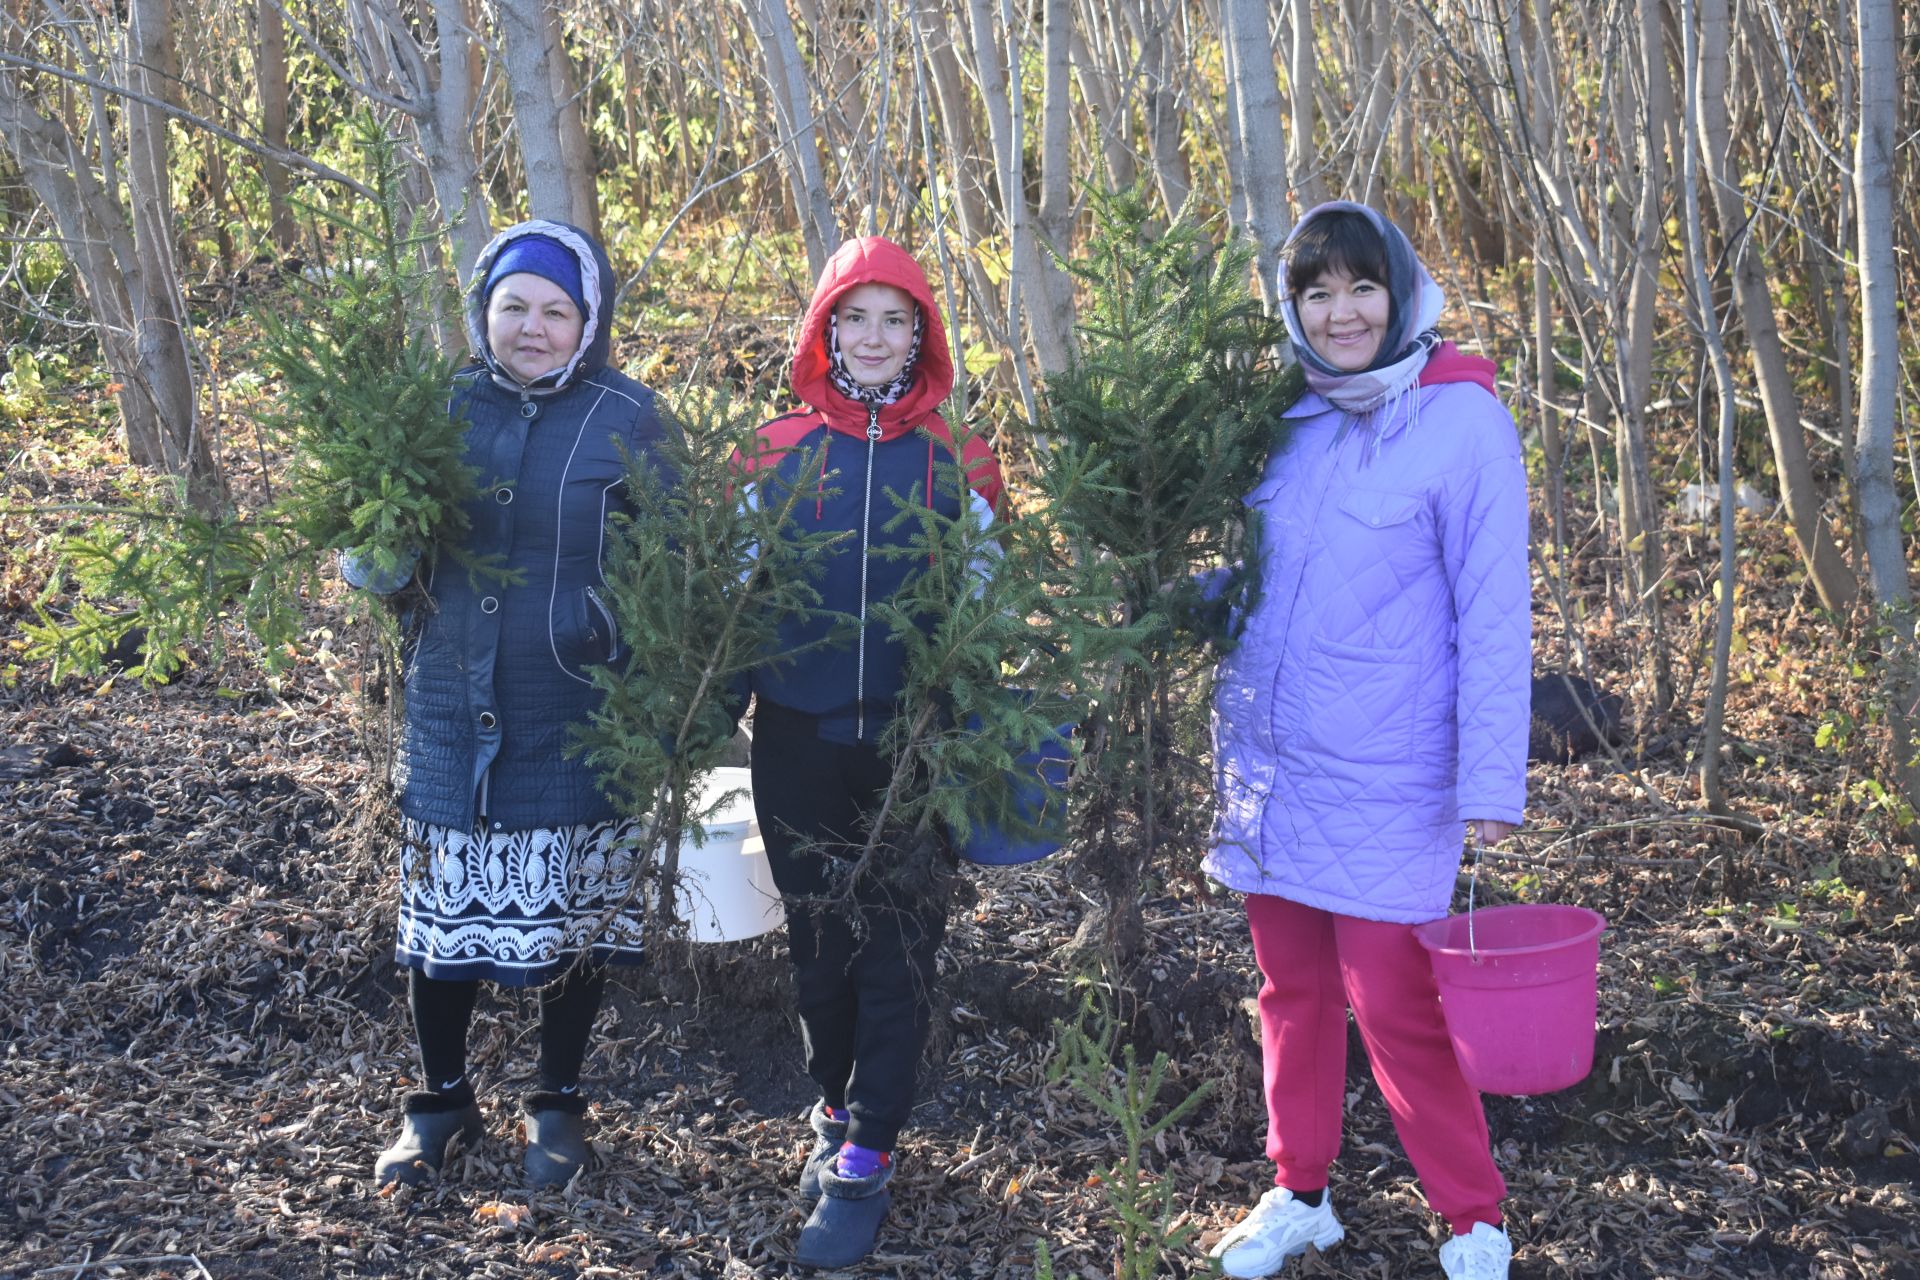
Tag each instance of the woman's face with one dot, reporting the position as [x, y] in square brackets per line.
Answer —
[1344, 318]
[532, 325]
[876, 332]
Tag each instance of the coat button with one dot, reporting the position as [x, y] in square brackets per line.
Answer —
[488, 720]
[491, 604]
[503, 496]
[528, 409]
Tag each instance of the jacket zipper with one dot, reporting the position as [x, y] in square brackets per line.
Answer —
[606, 616]
[866, 520]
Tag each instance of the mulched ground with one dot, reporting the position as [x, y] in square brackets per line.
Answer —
[205, 1040]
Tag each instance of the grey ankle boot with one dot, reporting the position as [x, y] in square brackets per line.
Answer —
[425, 1134]
[828, 1134]
[846, 1218]
[556, 1145]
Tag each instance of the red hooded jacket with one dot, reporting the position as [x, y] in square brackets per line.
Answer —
[851, 688]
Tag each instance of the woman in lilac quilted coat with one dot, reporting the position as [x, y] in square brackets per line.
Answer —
[1376, 702]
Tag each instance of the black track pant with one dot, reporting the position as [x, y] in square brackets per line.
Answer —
[864, 969]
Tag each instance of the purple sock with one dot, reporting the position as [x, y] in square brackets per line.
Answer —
[861, 1162]
[836, 1114]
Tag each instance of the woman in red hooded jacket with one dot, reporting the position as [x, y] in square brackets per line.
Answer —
[871, 365]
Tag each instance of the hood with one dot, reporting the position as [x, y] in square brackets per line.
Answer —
[1448, 363]
[872, 260]
[596, 283]
[1445, 364]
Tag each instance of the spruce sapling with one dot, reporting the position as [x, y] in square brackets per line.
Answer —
[700, 575]
[1156, 430]
[376, 464]
[1107, 1073]
[996, 658]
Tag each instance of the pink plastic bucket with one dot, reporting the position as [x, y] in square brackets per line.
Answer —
[1519, 996]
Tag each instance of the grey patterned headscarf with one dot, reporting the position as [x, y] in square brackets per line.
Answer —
[1394, 376]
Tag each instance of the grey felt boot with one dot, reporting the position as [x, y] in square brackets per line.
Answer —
[828, 1134]
[417, 1155]
[556, 1144]
[846, 1218]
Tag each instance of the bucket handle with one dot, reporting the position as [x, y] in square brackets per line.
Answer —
[1473, 888]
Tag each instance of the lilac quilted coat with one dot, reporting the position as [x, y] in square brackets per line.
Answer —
[1379, 693]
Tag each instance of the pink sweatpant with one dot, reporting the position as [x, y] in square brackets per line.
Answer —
[1316, 964]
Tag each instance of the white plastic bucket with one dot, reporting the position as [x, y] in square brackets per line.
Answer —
[727, 892]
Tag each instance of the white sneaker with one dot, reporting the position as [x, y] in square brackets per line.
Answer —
[1481, 1255]
[1278, 1228]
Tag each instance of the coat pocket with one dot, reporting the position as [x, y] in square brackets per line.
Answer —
[583, 632]
[1358, 703]
[1381, 508]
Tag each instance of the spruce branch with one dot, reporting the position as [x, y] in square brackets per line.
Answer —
[701, 573]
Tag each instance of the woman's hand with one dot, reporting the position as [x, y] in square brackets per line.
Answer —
[1489, 830]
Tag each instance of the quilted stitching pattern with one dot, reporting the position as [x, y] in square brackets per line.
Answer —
[1349, 740]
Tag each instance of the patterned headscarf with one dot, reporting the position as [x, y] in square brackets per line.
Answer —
[1371, 396]
[851, 387]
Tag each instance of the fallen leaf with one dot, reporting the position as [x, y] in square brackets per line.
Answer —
[507, 1217]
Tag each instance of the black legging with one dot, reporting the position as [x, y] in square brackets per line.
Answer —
[443, 1010]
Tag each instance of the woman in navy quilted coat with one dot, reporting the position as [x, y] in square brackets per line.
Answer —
[513, 865]
[1377, 700]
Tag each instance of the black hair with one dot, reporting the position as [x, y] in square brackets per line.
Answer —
[1341, 240]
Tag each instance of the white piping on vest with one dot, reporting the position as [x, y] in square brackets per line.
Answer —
[559, 513]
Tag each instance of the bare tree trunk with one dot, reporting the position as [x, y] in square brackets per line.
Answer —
[1051, 330]
[1644, 239]
[786, 77]
[1380, 54]
[1879, 496]
[437, 95]
[1406, 150]
[270, 63]
[575, 149]
[1303, 94]
[1648, 133]
[1239, 213]
[1055, 220]
[153, 283]
[446, 137]
[124, 273]
[1103, 105]
[962, 143]
[1825, 565]
[1149, 23]
[1698, 87]
[1261, 130]
[1553, 438]
[559, 174]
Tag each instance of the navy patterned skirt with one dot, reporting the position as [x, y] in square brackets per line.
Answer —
[517, 907]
